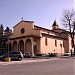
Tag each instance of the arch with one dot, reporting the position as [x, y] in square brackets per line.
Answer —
[15, 46]
[21, 46]
[28, 46]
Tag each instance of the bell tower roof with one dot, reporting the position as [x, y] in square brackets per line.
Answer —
[55, 25]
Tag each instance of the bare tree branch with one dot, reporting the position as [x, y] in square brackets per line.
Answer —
[68, 21]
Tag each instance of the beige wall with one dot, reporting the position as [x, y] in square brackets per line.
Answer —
[50, 47]
[66, 45]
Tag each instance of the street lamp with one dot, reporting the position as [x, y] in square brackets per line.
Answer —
[8, 58]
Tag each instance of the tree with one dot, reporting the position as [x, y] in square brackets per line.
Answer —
[68, 20]
[4, 35]
[1, 29]
[7, 31]
[1, 32]
[1, 35]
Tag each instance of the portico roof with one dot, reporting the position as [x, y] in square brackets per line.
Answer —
[26, 37]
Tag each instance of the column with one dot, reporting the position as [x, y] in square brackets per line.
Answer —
[24, 46]
[18, 46]
[11, 46]
[33, 49]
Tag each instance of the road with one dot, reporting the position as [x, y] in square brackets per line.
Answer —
[63, 66]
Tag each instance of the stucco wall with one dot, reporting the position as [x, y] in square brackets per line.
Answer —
[50, 47]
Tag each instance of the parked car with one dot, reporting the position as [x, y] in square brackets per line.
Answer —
[66, 55]
[13, 55]
[26, 55]
[52, 54]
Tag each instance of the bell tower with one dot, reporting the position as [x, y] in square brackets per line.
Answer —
[55, 25]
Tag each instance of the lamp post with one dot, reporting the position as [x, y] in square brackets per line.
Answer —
[8, 58]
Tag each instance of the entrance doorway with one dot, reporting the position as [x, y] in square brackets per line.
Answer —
[28, 46]
[21, 46]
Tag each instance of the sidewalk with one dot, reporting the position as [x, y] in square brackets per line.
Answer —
[73, 57]
[28, 60]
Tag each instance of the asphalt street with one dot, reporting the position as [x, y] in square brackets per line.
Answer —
[62, 66]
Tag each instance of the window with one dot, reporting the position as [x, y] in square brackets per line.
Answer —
[56, 43]
[63, 43]
[45, 41]
[22, 30]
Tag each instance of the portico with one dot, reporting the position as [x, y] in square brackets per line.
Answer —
[28, 44]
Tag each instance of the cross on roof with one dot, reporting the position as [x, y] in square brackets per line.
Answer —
[22, 18]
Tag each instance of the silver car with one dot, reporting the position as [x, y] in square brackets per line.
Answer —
[26, 55]
[14, 55]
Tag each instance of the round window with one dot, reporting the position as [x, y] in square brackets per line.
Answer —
[22, 30]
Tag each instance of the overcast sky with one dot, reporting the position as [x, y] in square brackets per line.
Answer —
[42, 12]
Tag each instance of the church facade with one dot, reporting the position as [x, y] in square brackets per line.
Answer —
[28, 37]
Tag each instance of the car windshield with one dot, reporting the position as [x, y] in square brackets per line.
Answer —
[14, 52]
[5, 54]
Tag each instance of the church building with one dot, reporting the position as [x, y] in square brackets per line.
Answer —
[28, 37]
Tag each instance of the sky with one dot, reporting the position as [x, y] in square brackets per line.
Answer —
[42, 12]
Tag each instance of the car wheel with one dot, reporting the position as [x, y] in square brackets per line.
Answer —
[19, 58]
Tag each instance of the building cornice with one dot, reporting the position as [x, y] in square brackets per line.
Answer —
[55, 36]
[25, 37]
